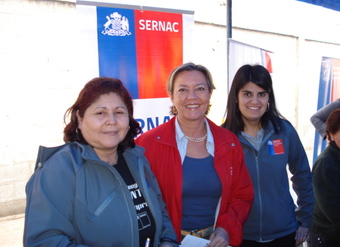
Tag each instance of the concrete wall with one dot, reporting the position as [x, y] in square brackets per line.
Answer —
[44, 64]
[38, 81]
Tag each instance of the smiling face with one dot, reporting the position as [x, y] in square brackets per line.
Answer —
[191, 95]
[252, 101]
[105, 122]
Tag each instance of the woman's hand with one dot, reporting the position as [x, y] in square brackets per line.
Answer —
[301, 235]
[219, 238]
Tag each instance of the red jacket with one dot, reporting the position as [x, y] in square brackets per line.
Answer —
[237, 190]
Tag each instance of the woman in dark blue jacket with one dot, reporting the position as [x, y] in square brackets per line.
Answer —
[270, 143]
[325, 229]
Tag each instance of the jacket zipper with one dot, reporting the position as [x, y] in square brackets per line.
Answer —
[259, 195]
[147, 198]
[265, 138]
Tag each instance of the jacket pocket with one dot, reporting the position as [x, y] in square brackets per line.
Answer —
[103, 205]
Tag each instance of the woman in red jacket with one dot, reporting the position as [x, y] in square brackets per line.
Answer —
[199, 165]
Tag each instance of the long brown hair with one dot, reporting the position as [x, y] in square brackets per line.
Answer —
[260, 76]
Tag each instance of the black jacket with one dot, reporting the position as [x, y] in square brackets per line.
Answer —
[326, 180]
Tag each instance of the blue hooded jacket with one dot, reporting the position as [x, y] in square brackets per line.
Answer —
[76, 199]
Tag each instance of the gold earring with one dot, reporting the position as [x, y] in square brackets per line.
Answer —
[173, 110]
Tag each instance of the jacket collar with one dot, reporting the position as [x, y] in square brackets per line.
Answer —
[335, 148]
[166, 132]
[87, 152]
[267, 133]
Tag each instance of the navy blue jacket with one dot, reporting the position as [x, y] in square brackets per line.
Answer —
[274, 213]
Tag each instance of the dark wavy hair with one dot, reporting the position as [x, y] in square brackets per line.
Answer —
[89, 94]
[188, 67]
[260, 76]
[332, 123]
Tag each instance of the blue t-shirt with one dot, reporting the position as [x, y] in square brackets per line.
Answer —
[202, 190]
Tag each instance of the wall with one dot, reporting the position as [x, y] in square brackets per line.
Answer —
[37, 84]
[44, 64]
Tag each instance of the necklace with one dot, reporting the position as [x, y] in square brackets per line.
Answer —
[193, 139]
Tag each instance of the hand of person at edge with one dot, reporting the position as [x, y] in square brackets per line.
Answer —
[301, 235]
[219, 238]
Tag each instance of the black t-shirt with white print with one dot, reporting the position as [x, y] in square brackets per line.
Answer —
[146, 222]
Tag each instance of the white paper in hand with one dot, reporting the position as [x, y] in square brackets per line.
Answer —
[193, 241]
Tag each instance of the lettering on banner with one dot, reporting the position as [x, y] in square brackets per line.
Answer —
[150, 123]
[163, 26]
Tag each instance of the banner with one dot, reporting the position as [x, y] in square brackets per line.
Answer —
[140, 47]
[241, 54]
[330, 4]
[329, 90]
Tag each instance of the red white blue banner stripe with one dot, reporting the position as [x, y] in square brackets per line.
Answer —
[329, 90]
[140, 47]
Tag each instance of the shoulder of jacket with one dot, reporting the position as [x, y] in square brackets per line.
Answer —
[289, 128]
[287, 123]
[72, 150]
[156, 133]
[45, 153]
[327, 159]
